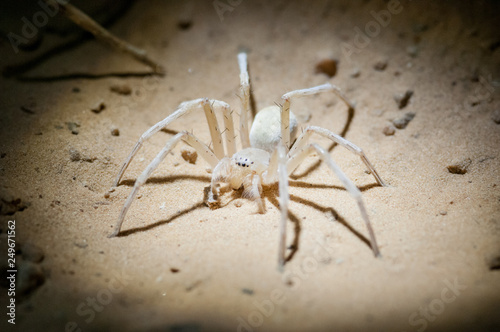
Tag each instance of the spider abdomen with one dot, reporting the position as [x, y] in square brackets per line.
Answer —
[265, 133]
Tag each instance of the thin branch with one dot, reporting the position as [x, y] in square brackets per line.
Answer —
[88, 24]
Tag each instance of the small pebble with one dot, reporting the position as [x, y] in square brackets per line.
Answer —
[75, 155]
[327, 67]
[402, 99]
[493, 262]
[402, 122]
[81, 244]
[11, 204]
[380, 65]
[185, 24]
[389, 130]
[496, 116]
[355, 73]
[247, 291]
[189, 155]
[98, 107]
[115, 132]
[123, 89]
[443, 213]
[459, 167]
[28, 109]
[108, 193]
[73, 126]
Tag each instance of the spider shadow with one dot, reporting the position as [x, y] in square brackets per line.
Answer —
[272, 193]
[303, 184]
[335, 214]
[167, 179]
[294, 247]
[313, 167]
[148, 227]
[82, 75]
[179, 213]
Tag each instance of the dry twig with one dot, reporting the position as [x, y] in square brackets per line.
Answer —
[88, 24]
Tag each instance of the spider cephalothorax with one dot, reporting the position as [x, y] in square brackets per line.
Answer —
[266, 157]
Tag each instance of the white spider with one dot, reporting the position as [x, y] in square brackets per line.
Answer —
[264, 158]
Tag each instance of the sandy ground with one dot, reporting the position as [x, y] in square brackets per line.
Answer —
[179, 266]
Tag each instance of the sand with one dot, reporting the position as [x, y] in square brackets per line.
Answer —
[68, 123]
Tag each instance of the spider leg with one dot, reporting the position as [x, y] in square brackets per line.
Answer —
[270, 176]
[190, 139]
[208, 106]
[182, 109]
[305, 136]
[220, 174]
[245, 95]
[277, 170]
[299, 155]
[252, 189]
[284, 198]
[229, 124]
[285, 114]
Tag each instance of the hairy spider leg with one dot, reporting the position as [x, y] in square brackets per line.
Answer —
[299, 155]
[307, 133]
[188, 138]
[287, 98]
[245, 99]
[185, 108]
